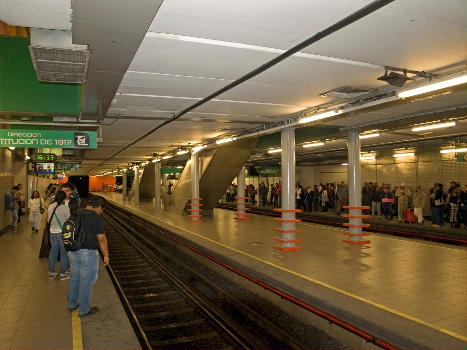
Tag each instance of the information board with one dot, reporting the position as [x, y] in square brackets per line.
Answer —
[44, 157]
[47, 139]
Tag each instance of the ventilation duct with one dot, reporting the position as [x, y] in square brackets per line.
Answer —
[56, 59]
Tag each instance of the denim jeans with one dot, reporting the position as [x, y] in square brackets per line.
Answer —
[84, 268]
[14, 219]
[438, 215]
[56, 242]
[387, 208]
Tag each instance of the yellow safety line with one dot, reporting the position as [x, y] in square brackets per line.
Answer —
[77, 334]
[455, 335]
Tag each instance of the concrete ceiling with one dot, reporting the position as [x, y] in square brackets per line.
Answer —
[149, 63]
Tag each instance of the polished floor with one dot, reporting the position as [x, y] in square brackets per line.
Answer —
[417, 280]
[33, 310]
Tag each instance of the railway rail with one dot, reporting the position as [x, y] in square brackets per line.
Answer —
[169, 313]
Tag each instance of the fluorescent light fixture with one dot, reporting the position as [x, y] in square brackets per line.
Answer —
[434, 126]
[27, 157]
[167, 157]
[198, 148]
[182, 152]
[156, 160]
[12, 148]
[454, 150]
[367, 157]
[180, 167]
[228, 139]
[277, 150]
[314, 144]
[319, 116]
[367, 136]
[344, 163]
[433, 87]
[399, 155]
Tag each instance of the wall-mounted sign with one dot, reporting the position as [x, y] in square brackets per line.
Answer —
[44, 157]
[47, 138]
[44, 168]
[67, 166]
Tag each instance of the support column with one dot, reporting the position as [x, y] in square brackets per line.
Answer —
[287, 240]
[355, 192]
[157, 185]
[241, 200]
[195, 200]
[136, 184]
[124, 185]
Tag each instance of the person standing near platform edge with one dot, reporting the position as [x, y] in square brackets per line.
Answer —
[85, 261]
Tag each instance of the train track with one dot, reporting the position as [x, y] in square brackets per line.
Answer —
[169, 313]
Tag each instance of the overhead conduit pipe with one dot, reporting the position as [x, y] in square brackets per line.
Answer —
[370, 8]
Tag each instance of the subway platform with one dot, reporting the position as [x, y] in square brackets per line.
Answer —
[33, 309]
[410, 293]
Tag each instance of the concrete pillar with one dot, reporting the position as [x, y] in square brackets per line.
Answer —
[241, 199]
[124, 185]
[136, 184]
[157, 185]
[287, 240]
[355, 191]
[195, 201]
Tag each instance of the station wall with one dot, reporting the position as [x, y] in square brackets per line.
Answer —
[7, 177]
[424, 169]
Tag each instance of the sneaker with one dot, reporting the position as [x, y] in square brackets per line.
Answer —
[93, 310]
[64, 277]
[52, 276]
[71, 309]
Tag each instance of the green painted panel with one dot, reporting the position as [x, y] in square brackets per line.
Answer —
[20, 91]
[301, 135]
[171, 170]
[47, 138]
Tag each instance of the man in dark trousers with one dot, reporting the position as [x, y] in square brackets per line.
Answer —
[85, 261]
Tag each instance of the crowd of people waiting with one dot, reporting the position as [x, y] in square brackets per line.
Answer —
[384, 201]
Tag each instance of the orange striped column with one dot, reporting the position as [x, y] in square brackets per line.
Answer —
[195, 209]
[287, 240]
[241, 210]
[355, 225]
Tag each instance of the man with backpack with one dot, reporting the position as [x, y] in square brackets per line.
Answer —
[84, 257]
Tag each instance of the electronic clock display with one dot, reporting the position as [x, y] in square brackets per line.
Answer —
[45, 157]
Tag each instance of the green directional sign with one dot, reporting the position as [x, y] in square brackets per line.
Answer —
[47, 139]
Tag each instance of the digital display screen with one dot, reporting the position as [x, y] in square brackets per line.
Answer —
[45, 157]
[45, 168]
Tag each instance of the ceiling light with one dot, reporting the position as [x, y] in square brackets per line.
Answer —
[434, 126]
[156, 160]
[180, 167]
[319, 116]
[27, 157]
[367, 157]
[182, 152]
[314, 144]
[198, 148]
[12, 148]
[275, 150]
[367, 136]
[228, 139]
[432, 87]
[454, 150]
[167, 157]
[345, 164]
[398, 155]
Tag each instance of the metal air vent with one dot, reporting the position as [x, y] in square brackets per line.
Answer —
[56, 58]
[59, 65]
[346, 92]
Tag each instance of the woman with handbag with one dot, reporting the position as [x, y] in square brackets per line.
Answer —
[58, 213]
[35, 210]
[45, 246]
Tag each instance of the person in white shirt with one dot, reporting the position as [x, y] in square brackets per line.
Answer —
[35, 210]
